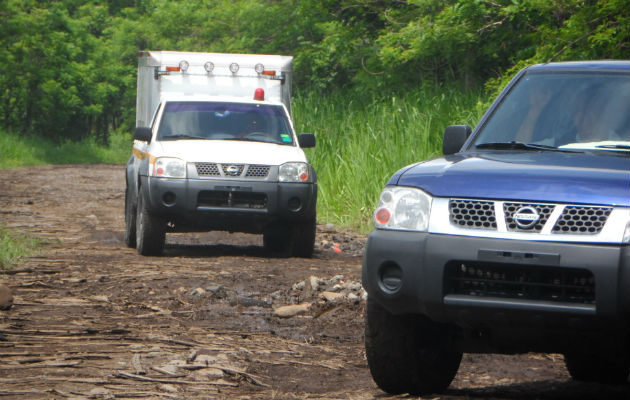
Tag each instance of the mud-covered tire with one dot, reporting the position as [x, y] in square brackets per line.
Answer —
[607, 369]
[150, 230]
[304, 239]
[409, 353]
[130, 220]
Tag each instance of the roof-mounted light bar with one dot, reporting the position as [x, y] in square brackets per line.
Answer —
[209, 67]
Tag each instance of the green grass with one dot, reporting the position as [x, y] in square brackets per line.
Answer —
[18, 150]
[15, 247]
[361, 142]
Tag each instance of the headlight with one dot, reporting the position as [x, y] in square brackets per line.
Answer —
[294, 172]
[168, 167]
[403, 208]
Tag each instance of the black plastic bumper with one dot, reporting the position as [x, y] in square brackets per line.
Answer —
[497, 286]
[239, 206]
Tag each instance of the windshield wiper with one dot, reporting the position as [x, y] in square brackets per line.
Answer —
[516, 146]
[181, 136]
[614, 146]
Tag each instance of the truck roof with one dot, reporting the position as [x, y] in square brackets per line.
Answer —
[220, 60]
[603, 65]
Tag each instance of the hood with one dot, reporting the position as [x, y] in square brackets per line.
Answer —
[580, 178]
[229, 151]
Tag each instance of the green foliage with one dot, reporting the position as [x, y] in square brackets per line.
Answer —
[16, 246]
[23, 150]
[68, 68]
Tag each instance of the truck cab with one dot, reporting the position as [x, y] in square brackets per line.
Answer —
[516, 240]
[215, 149]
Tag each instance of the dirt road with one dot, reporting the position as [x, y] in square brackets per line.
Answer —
[92, 319]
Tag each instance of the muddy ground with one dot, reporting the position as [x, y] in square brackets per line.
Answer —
[93, 319]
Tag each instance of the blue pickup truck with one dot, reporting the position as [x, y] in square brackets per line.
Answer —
[516, 240]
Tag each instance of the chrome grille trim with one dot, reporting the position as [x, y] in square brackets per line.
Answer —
[227, 169]
[610, 231]
[510, 208]
[253, 171]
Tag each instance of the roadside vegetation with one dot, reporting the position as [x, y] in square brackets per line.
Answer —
[18, 150]
[15, 247]
[377, 81]
[362, 141]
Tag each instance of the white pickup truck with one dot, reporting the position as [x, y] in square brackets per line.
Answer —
[215, 149]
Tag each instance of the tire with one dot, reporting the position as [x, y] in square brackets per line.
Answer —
[304, 239]
[409, 353]
[607, 369]
[297, 240]
[150, 230]
[130, 220]
[277, 239]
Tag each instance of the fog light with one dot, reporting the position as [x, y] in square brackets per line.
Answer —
[391, 278]
[294, 204]
[169, 198]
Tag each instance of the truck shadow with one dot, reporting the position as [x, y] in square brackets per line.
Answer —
[543, 390]
[214, 250]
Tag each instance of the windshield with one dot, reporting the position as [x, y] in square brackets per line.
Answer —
[562, 110]
[225, 121]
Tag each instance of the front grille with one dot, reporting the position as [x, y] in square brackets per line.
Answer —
[257, 171]
[232, 199]
[582, 220]
[472, 214]
[207, 169]
[232, 169]
[522, 282]
[544, 210]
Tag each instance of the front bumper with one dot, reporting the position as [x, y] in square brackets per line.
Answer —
[496, 285]
[234, 205]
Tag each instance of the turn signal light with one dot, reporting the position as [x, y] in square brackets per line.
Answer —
[382, 216]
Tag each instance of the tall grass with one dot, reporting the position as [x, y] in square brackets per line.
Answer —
[360, 143]
[20, 150]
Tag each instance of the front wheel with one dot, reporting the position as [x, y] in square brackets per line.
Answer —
[150, 230]
[304, 238]
[409, 353]
[295, 240]
[130, 220]
[609, 369]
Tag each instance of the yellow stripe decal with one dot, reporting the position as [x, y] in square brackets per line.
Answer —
[140, 154]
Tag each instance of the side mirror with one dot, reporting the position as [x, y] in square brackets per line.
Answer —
[143, 133]
[306, 140]
[454, 138]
